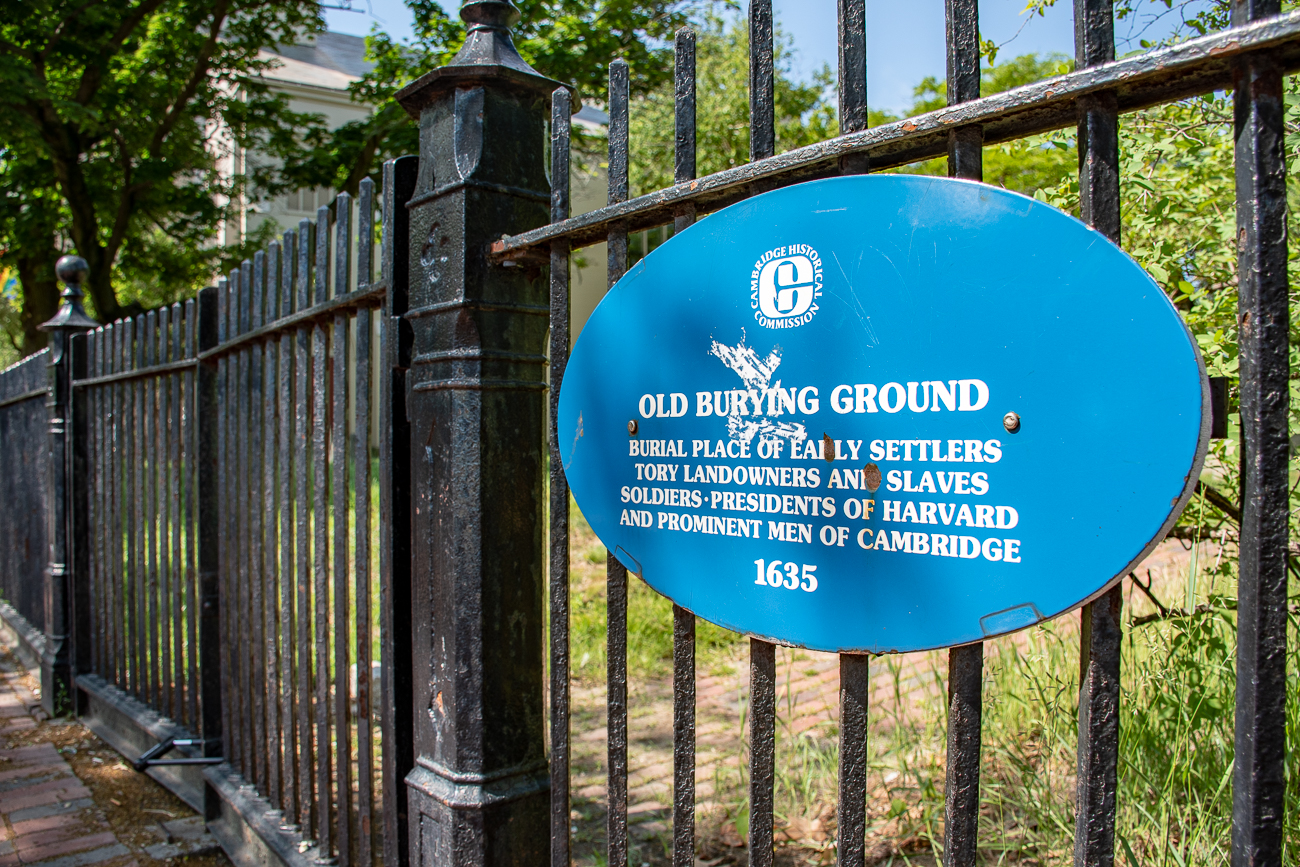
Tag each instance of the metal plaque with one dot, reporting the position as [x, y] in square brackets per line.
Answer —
[883, 413]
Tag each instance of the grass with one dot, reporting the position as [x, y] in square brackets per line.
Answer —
[1176, 730]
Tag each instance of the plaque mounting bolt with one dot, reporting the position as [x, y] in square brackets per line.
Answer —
[631, 428]
[1011, 421]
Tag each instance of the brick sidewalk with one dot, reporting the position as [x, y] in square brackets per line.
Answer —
[47, 815]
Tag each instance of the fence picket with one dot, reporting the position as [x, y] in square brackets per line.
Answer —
[227, 580]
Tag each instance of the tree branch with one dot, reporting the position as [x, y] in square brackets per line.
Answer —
[200, 72]
[94, 73]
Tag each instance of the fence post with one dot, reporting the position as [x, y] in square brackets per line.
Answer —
[208, 523]
[478, 793]
[395, 510]
[57, 689]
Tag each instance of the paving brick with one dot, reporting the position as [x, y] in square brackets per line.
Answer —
[51, 809]
[78, 827]
[63, 819]
[36, 776]
[64, 847]
[28, 770]
[63, 789]
[32, 753]
[95, 856]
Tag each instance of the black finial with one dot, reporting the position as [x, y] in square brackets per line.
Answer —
[71, 271]
[488, 42]
[489, 14]
[489, 54]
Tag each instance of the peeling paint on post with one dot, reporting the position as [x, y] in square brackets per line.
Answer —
[479, 791]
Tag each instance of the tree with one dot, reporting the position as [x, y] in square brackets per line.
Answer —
[803, 114]
[111, 110]
[1024, 165]
[569, 40]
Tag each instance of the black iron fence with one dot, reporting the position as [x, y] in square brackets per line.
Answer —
[303, 518]
[24, 420]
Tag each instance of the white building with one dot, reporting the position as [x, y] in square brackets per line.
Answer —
[314, 75]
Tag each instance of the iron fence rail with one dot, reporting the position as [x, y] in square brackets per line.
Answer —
[1163, 75]
[139, 402]
[245, 567]
[295, 370]
[1250, 57]
[24, 429]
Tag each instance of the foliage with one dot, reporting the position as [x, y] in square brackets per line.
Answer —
[567, 40]
[1023, 165]
[803, 115]
[112, 113]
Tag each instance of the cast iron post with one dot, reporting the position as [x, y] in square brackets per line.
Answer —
[478, 794]
[57, 689]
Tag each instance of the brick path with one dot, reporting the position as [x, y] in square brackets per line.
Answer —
[47, 815]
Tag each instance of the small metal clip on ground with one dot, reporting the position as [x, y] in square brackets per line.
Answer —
[152, 757]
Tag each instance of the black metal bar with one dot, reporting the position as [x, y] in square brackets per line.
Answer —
[762, 81]
[117, 511]
[558, 530]
[616, 709]
[225, 559]
[97, 410]
[1101, 632]
[855, 682]
[149, 598]
[1259, 769]
[115, 461]
[205, 650]
[339, 486]
[135, 588]
[965, 144]
[395, 626]
[79, 482]
[762, 750]
[323, 310]
[324, 812]
[245, 646]
[43, 391]
[683, 737]
[1189, 68]
[151, 372]
[965, 664]
[269, 582]
[852, 21]
[615, 571]
[1099, 670]
[290, 463]
[361, 558]
[683, 620]
[176, 492]
[304, 445]
[683, 107]
[961, 794]
[257, 539]
[164, 461]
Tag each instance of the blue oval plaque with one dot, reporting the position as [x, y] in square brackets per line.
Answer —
[883, 413]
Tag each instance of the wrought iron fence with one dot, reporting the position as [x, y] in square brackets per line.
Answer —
[24, 465]
[306, 511]
[1250, 58]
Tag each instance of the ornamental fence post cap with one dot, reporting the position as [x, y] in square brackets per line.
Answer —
[71, 271]
[488, 56]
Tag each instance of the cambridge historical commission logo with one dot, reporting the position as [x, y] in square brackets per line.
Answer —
[785, 285]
